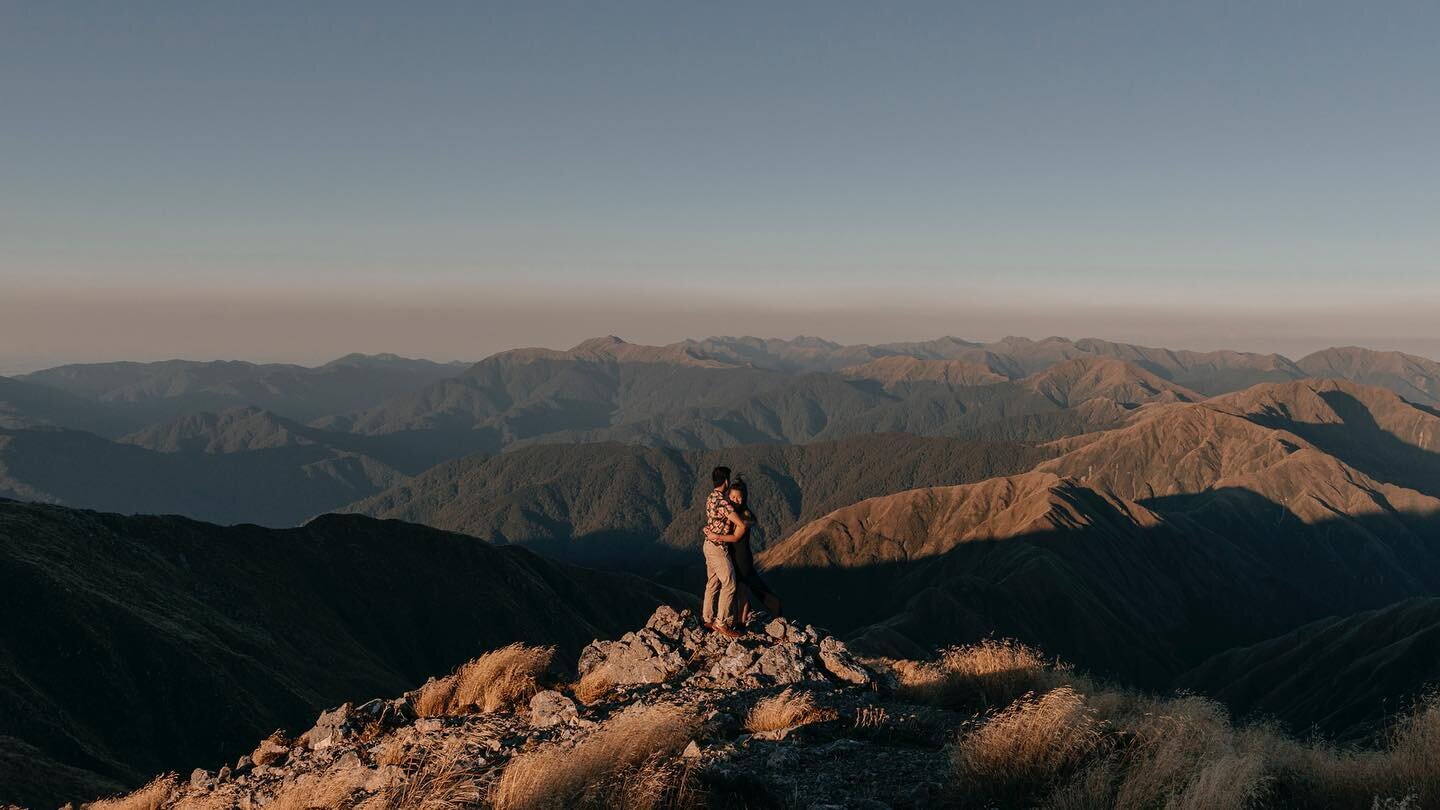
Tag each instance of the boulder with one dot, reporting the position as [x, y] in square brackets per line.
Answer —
[841, 663]
[330, 728]
[785, 663]
[271, 751]
[550, 708]
[736, 661]
[644, 657]
[672, 624]
[200, 779]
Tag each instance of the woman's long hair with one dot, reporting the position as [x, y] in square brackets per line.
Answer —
[744, 507]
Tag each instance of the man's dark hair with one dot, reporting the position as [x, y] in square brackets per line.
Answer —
[719, 476]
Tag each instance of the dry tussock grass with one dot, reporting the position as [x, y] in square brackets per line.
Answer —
[1029, 744]
[1187, 755]
[394, 752]
[989, 674]
[150, 797]
[443, 779]
[593, 686]
[320, 791]
[627, 763]
[223, 799]
[500, 679]
[787, 709]
[1066, 751]
[662, 781]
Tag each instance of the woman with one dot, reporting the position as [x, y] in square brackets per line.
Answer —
[751, 587]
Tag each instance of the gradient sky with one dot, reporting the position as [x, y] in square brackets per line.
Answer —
[299, 180]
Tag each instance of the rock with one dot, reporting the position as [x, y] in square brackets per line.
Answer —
[271, 751]
[592, 657]
[736, 661]
[349, 759]
[837, 660]
[330, 728]
[224, 775]
[783, 630]
[644, 657]
[243, 765]
[550, 708]
[692, 751]
[672, 624]
[200, 779]
[784, 663]
[401, 707]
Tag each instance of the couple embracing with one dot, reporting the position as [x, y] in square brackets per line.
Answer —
[731, 581]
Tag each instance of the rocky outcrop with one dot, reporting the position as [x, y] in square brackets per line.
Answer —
[379, 754]
[673, 642]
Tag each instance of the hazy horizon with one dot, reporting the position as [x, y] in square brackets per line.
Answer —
[457, 335]
[273, 183]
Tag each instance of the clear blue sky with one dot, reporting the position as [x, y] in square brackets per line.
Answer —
[1267, 172]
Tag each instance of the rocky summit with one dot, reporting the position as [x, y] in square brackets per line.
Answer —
[675, 717]
[783, 711]
[673, 643]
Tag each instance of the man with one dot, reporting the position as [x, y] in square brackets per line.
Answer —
[719, 568]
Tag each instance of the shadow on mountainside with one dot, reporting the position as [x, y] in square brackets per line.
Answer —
[1139, 604]
[135, 645]
[1363, 444]
[1342, 677]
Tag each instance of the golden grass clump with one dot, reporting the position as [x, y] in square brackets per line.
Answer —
[989, 674]
[320, 791]
[227, 798]
[786, 710]
[1413, 755]
[662, 781]
[626, 763]
[150, 797]
[1029, 744]
[500, 679]
[1187, 755]
[443, 778]
[593, 686]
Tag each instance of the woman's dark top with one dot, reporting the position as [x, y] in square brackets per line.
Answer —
[744, 560]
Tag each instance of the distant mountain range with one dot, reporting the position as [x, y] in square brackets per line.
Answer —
[243, 465]
[1263, 530]
[333, 434]
[131, 645]
[143, 393]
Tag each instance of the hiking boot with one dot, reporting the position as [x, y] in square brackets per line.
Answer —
[727, 632]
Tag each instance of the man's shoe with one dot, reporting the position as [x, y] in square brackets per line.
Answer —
[727, 632]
